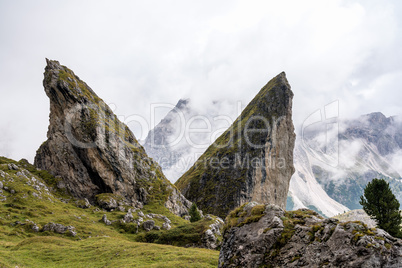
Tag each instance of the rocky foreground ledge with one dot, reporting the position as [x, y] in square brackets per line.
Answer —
[258, 235]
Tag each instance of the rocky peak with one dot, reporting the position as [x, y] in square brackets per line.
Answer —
[182, 103]
[158, 143]
[377, 118]
[252, 160]
[384, 132]
[93, 152]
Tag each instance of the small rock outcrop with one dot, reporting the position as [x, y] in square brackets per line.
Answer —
[210, 238]
[93, 152]
[105, 220]
[266, 236]
[84, 203]
[59, 228]
[252, 160]
[128, 217]
[166, 226]
[148, 225]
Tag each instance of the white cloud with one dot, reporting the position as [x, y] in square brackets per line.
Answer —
[134, 53]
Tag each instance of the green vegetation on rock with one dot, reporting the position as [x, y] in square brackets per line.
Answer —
[217, 180]
[30, 200]
[246, 213]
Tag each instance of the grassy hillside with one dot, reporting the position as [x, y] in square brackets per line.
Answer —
[50, 251]
[30, 198]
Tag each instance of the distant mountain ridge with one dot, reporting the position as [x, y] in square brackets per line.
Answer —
[207, 187]
[367, 148]
[159, 143]
[378, 141]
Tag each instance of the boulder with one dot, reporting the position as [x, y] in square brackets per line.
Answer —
[105, 220]
[59, 228]
[128, 217]
[12, 167]
[83, 203]
[107, 201]
[166, 226]
[148, 225]
[140, 214]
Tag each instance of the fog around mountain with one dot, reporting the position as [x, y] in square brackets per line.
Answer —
[334, 159]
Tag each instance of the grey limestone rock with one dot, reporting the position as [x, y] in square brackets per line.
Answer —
[148, 225]
[166, 226]
[107, 203]
[35, 228]
[59, 228]
[271, 237]
[140, 214]
[84, 203]
[13, 167]
[105, 220]
[128, 217]
[91, 151]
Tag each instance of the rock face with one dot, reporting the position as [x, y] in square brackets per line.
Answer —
[210, 237]
[252, 160]
[266, 236]
[93, 152]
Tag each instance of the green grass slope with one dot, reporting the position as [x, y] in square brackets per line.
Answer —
[29, 198]
[49, 251]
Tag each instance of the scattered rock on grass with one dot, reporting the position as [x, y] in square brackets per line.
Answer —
[166, 226]
[59, 228]
[84, 203]
[105, 220]
[148, 225]
[12, 167]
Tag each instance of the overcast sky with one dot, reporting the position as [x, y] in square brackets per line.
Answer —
[137, 53]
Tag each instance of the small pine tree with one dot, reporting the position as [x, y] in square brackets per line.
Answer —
[380, 203]
[194, 213]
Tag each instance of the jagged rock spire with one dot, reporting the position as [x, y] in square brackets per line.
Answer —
[252, 160]
[92, 152]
